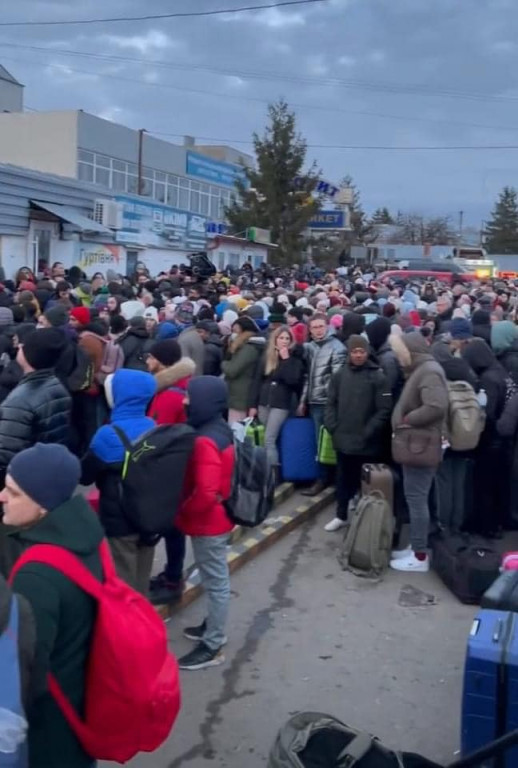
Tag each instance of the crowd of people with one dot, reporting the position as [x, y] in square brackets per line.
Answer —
[371, 362]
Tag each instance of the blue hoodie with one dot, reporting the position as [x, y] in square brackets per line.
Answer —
[132, 392]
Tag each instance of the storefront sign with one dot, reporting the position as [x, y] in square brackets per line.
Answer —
[92, 258]
[152, 224]
[215, 171]
[327, 220]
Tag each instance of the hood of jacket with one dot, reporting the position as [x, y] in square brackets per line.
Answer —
[139, 333]
[503, 336]
[411, 350]
[168, 377]
[72, 525]
[352, 324]
[208, 401]
[132, 392]
[479, 355]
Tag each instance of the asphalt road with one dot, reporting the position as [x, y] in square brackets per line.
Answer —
[305, 635]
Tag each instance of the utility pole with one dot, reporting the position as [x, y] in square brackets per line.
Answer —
[140, 180]
[461, 225]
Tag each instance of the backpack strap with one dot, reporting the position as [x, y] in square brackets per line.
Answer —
[69, 565]
[355, 750]
[126, 442]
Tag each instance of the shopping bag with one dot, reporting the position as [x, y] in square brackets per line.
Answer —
[326, 449]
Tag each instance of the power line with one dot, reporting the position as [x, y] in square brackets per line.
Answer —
[388, 147]
[408, 88]
[161, 16]
[255, 99]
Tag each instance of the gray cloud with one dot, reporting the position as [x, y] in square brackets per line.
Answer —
[430, 73]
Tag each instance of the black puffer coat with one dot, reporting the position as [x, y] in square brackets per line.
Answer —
[135, 344]
[36, 411]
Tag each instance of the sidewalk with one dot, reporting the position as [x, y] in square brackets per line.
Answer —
[291, 510]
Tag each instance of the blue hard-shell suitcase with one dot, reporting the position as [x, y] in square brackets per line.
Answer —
[490, 693]
[298, 450]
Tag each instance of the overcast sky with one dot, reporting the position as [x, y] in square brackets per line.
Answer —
[357, 72]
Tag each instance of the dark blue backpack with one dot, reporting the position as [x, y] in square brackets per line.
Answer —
[13, 726]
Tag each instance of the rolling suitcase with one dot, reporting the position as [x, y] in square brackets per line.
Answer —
[490, 690]
[467, 565]
[378, 477]
[298, 451]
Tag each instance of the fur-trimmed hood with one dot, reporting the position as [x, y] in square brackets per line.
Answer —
[183, 369]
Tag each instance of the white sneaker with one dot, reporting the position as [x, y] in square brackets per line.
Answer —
[334, 525]
[400, 554]
[411, 564]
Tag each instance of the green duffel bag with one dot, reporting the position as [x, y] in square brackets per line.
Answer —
[326, 450]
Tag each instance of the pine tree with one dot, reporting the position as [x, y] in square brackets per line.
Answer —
[502, 230]
[362, 231]
[382, 216]
[278, 195]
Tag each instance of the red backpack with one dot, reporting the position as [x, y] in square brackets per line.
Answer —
[132, 682]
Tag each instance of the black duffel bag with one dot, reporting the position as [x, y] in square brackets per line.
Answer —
[315, 740]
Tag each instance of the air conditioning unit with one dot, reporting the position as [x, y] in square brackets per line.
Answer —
[108, 213]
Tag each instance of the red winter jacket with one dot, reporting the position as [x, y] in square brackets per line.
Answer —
[167, 405]
[207, 483]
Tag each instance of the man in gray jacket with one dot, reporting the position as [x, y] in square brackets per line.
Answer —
[420, 412]
[325, 355]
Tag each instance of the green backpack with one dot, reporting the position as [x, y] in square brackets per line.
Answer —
[368, 538]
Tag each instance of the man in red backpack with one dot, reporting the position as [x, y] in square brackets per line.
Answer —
[46, 512]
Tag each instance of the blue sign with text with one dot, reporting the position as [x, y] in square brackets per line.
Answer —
[153, 224]
[327, 220]
[215, 171]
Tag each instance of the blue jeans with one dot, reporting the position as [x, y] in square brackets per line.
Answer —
[417, 482]
[210, 556]
[175, 551]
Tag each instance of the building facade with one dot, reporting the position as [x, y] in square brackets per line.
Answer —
[169, 196]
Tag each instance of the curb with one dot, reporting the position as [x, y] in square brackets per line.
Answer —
[246, 549]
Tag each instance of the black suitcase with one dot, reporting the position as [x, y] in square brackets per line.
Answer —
[454, 492]
[468, 565]
[502, 595]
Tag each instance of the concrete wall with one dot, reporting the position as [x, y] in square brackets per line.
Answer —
[14, 254]
[42, 142]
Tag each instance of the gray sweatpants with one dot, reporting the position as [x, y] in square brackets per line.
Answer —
[417, 482]
[272, 420]
[210, 556]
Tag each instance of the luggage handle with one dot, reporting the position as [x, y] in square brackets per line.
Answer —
[476, 759]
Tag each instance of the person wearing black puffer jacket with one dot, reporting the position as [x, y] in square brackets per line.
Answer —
[491, 499]
[36, 411]
[277, 386]
[135, 344]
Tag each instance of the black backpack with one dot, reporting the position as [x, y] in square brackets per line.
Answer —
[152, 475]
[253, 485]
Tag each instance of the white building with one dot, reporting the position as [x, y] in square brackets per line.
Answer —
[168, 196]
